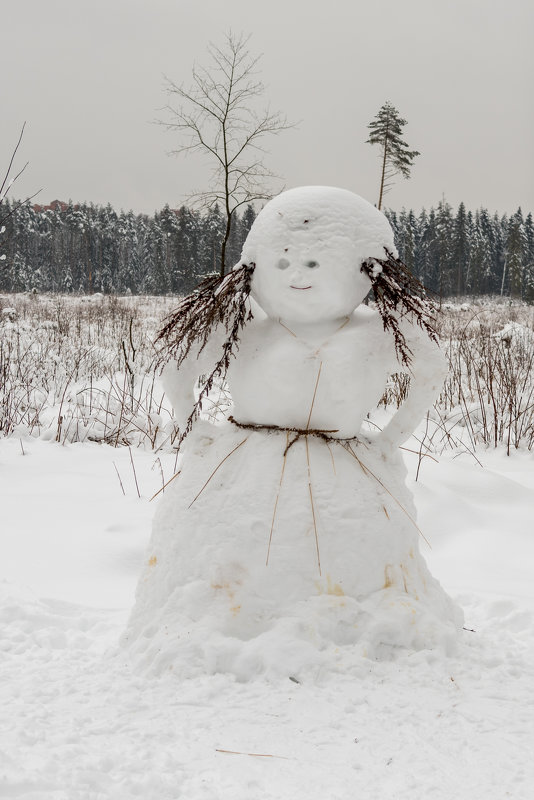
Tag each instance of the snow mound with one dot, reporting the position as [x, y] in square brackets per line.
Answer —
[513, 333]
[224, 592]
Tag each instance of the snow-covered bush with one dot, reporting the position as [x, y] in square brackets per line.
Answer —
[75, 371]
[489, 391]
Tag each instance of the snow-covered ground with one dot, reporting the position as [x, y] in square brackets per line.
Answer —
[76, 724]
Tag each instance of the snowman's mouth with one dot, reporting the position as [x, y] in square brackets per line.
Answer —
[300, 288]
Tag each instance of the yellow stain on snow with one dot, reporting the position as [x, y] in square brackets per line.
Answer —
[331, 587]
[226, 587]
[388, 577]
[152, 561]
[229, 591]
[405, 575]
[391, 577]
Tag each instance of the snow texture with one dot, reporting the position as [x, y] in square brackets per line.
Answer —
[515, 334]
[78, 725]
[277, 553]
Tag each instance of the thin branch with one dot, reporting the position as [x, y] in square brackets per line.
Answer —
[6, 176]
[18, 205]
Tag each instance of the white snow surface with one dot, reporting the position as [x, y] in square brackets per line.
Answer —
[77, 724]
[515, 334]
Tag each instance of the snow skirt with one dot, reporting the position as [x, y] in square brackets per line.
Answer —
[276, 560]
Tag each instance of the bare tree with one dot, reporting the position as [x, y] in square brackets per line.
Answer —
[217, 116]
[7, 182]
[386, 131]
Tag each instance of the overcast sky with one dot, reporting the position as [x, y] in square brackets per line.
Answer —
[88, 80]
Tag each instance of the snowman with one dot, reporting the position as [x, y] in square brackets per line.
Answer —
[288, 541]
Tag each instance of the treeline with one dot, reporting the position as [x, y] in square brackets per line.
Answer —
[464, 253]
[88, 248]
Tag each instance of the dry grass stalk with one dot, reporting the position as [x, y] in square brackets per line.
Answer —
[216, 469]
[310, 489]
[309, 468]
[332, 458]
[254, 755]
[134, 472]
[284, 460]
[119, 477]
[368, 472]
[165, 485]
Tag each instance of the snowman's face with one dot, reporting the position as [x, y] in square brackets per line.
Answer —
[305, 277]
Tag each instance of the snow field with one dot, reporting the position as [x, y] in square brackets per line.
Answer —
[411, 728]
[77, 724]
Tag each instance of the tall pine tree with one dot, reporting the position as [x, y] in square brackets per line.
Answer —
[396, 158]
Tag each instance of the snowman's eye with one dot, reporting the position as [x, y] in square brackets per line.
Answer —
[282, 263]
[311, 264]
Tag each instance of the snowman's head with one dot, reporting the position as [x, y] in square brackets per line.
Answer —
[308, 246]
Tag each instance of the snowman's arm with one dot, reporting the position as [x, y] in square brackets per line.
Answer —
[178, 385]
[179, 382]
[428, 369]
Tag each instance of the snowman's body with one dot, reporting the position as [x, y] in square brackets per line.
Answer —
[275, 547]
[276, 378]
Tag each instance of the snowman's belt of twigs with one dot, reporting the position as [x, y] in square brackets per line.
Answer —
[298, 433]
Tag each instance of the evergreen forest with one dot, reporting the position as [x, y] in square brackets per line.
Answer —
[85, 248]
